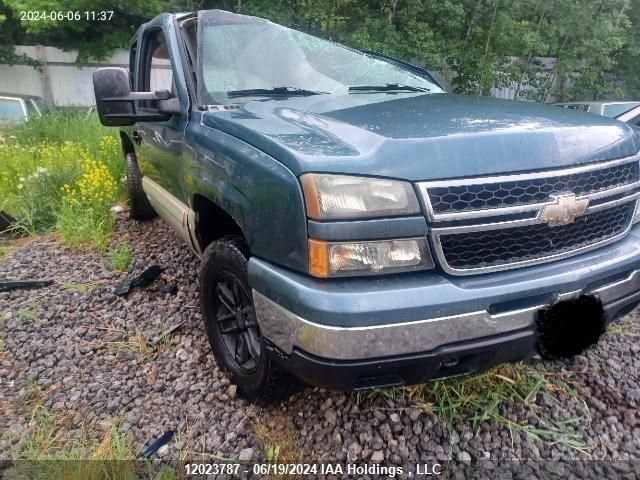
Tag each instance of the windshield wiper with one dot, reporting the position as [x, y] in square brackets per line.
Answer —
[389, 87]
[276, 91]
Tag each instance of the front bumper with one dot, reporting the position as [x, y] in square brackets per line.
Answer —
[410, 328]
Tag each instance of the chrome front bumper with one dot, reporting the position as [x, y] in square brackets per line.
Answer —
[288, 331]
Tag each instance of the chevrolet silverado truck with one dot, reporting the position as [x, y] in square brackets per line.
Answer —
[357, 225]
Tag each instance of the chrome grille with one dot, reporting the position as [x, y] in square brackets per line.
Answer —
[456, 198]
[496, 223]
[495, 247]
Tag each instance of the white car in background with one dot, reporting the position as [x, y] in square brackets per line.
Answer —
[604, 108]
[16, 108]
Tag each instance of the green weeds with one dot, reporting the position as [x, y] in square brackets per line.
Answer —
[278, 438]
[484, 397]
[62, 171]
[139, 344]
[628, 329]
[46, 452]
[77, 229]
[27, 315]
[47, 455]
[119, 258]
[31, 394]
[81, 288]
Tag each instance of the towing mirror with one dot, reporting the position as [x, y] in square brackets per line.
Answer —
[115, 100]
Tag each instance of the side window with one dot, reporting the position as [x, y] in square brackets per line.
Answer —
[40, 105]
[156, 72]
[32, 111]
[10, 110]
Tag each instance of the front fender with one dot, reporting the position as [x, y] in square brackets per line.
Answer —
[258, 192]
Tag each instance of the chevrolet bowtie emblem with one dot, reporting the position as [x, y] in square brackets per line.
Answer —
[564, 210]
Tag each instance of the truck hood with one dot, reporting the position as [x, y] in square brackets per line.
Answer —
[419, 136]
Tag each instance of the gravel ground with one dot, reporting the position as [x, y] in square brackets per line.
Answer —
[79, 346]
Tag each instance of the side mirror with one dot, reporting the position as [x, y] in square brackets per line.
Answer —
[115, 100]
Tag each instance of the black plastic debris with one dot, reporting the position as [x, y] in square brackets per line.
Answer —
[154, 446]
[6, 285]
[158, 338]
[145, 279]
[170, 288]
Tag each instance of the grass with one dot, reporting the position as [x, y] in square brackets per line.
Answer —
[5, 250]
[278, 439]
[81, 288]
[119, 258]
[27, 315]
[62, 171]
[32, 394]
[110, 456]
[628, 329]
[485, 396]
[65, 126]
[77, 230]
[45, 453]
[139, 344]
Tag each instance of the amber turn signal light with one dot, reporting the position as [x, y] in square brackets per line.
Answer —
[318, 258]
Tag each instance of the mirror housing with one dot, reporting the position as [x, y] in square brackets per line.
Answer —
[115, 100]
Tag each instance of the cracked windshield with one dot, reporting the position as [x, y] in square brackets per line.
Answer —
[259, 58]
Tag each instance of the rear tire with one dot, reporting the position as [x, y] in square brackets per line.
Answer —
[231, 324]
[141, 209]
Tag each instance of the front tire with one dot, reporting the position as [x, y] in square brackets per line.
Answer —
[141, 209]
[231, 324]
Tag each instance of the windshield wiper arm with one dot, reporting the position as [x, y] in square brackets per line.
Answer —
[267, 92]
[389, 87]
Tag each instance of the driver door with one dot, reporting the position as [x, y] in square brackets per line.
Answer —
[159, 145]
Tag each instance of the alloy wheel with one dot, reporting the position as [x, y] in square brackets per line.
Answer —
[236, 321]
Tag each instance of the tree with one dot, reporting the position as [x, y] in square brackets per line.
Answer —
[624, 81]
[541, 48]
[9, 34]
[92, 38]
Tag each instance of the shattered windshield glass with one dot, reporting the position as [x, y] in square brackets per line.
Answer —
[241, 57]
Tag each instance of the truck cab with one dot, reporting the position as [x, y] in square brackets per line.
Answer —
[359, 226]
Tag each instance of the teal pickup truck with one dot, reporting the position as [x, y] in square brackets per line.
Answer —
[360, 227]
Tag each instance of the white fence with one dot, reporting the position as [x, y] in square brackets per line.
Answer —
[61, 81]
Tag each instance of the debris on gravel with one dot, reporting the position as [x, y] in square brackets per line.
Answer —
[84, 354]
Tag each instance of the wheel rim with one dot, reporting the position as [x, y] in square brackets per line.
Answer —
[236, 322]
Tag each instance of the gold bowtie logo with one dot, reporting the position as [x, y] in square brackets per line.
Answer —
[564, 210]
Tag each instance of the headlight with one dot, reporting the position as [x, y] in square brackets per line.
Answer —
[329, 259]
[340, 197]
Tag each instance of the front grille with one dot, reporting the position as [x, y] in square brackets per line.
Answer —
[507, 246]
[493, 223]
[538, 189]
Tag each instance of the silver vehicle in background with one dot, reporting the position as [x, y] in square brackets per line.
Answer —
[17, 108]
[632, 116]
[605, 108]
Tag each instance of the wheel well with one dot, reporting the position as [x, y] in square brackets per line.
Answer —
[127, 145]
[212, 222]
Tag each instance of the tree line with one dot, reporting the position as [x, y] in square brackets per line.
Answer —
[567, 49]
